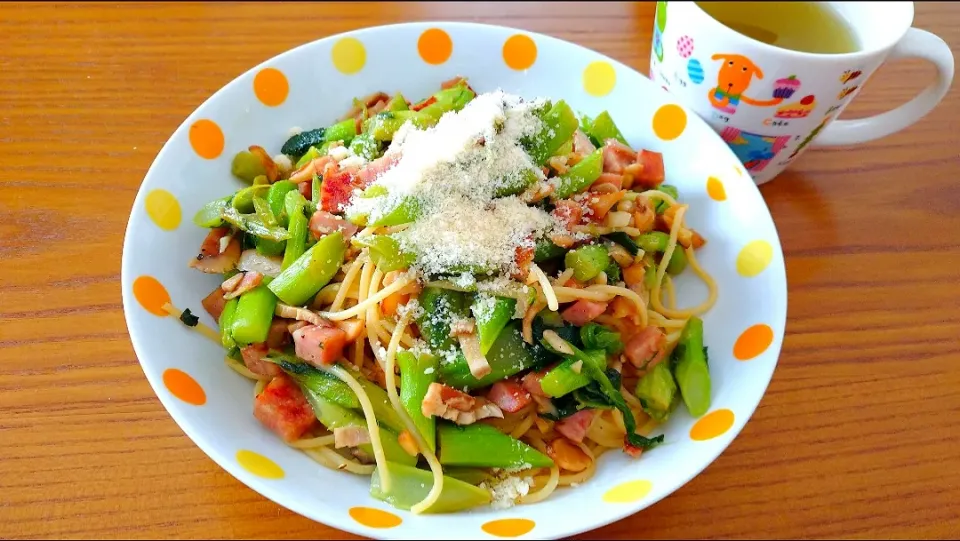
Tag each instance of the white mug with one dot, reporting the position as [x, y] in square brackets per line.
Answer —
[770, 103]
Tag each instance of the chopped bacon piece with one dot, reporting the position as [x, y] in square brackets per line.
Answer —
[374, 169]
[607, 182]
[211, 259]
[568, 212]
[450, 83]
[336, 191]
[601, 203]
[651, 172]
[509, 395]
[282, 408]
[238, 284]
[315, 166]
[531, 382]
[352, 328]
[453, 405]
[582, 144]
[272, 172]
[323, 223]
[319, 345]
[429, 101]
[279, 334]
[214, 303]
[523, 257]
[575, 427]
[583, 311]
[644, 346]
[253, 359]
[634, 452]
[617, 156]
[350, 436]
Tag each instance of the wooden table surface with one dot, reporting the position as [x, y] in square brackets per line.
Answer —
[856, 438]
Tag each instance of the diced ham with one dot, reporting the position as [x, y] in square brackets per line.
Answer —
[643, 346]
[617, 156]
[453, 405]
[319, 345]
[509, 395]
[282, 408]
[651, 173]
[582, 144]
[239, 284]
[607, 183]
[279, 333]
[575, 427]
[211, 259]
[350, 436]
[583, 311]
[306, 189]
[601, 203]
[253, 359]
[214, 303]
[531, 382]
[323, 223]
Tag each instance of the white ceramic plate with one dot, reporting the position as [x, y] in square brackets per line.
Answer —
[311, 86]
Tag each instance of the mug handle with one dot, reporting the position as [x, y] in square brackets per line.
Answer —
[915, 44]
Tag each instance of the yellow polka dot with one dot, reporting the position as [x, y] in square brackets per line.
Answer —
[183, 386]
[669, 122]
[753, 342]
[519, 52]
[629, 492]
[151, 295]
[271, 87]
[715, 189]
[163, 208]
[435, 46]
[259, 465]
[754, 257]
[349, 55]
[509, 527]
[599, 78]
[712, 425]
[206, 138]
[375, 518]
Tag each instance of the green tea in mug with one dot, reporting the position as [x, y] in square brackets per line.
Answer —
[809, 27]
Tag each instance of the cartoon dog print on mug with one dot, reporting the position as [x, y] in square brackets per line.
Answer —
[734, 78]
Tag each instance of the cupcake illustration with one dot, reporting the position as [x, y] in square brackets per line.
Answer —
[800, 109]
[784, 88]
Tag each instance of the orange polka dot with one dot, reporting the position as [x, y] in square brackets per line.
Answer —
[375, 518]
[151, 295]
[715, 189]
[271, 86]
[184, 387]
[206, 138]
[669, 122]
[753, 342]
[712, 425]
[519, 52]
[435, 46]
[509, 527]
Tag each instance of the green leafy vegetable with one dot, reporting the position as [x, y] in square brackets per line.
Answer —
[596, 336]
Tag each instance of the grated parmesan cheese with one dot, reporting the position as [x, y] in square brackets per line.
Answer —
[507, 491]
[452, 173]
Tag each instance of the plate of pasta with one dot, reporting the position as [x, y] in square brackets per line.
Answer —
[447, 280]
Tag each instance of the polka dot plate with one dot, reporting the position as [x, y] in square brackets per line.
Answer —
[314, 84]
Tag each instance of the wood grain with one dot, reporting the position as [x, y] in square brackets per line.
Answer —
[856, 437]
